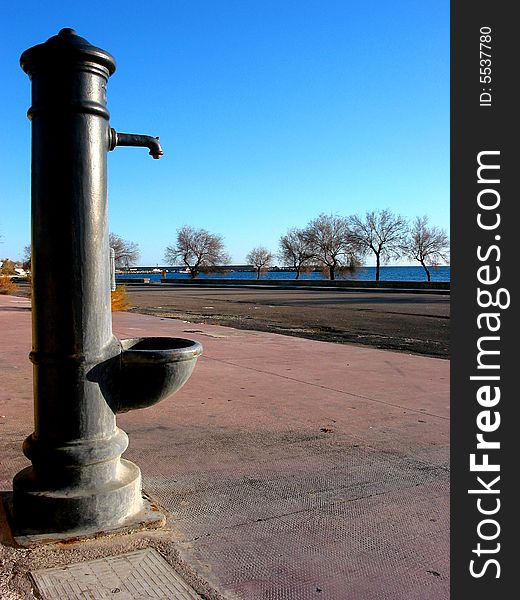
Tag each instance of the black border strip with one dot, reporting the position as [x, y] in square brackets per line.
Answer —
[485, 124]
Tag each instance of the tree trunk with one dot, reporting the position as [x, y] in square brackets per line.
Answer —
[332, 273]
[427, 271]
[297, 273]
[378, 262]
[258, 272]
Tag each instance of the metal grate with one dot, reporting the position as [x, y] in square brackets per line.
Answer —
[138, 575]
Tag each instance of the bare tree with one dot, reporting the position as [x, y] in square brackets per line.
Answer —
[198, 249]
[26, 261]
[382, 233]
[329, 238]
[427, 244]
[295, 250]
[126, 253]
[260, 258]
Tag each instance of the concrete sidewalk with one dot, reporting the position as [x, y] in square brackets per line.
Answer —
[291, 469]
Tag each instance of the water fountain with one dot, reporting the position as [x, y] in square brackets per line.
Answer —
[78, 483]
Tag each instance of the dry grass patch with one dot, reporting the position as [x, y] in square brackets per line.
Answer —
[120, 299]
[7, 286]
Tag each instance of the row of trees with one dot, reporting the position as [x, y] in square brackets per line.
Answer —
[330, 242]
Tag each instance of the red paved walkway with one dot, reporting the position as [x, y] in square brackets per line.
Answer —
[293, 469]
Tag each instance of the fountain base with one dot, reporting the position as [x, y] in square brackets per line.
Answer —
[50, 516]
[41, 517]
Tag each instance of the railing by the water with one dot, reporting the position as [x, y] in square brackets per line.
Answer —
[440, 286]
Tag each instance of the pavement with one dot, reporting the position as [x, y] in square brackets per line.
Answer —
[291, 469]
[417, 322]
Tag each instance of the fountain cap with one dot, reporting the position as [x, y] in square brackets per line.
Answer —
[65, 48]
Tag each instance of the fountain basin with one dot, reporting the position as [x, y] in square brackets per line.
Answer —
[154, 368]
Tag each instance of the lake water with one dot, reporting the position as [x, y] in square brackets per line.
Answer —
[361, 274]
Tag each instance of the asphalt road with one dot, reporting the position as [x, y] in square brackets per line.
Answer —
[408, 322]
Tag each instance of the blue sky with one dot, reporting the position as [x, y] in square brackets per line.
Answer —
[269, 112]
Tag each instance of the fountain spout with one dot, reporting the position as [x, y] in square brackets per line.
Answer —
[132, 139]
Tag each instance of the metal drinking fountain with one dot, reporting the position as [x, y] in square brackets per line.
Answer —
[83, 375]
